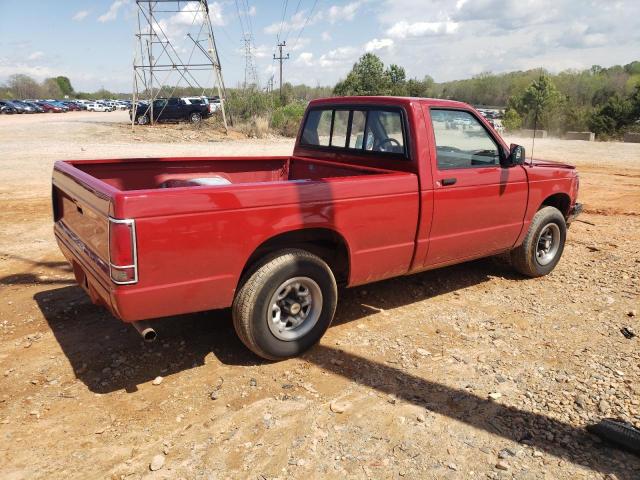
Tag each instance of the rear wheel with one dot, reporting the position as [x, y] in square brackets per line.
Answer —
[285, 305]
[543, 245]
[195, 117]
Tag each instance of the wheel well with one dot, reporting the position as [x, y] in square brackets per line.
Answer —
[323, 242]
[561, 201]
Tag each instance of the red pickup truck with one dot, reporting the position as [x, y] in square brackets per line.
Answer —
[376, 187]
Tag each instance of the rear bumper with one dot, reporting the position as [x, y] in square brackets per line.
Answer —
[131, 303]
[574, 212]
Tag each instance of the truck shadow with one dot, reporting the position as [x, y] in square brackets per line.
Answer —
[543, 433]
[29, 277]
[108, 355]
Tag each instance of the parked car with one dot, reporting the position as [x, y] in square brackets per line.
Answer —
[37, 107]
[376, 187]
[8, 108]
[18, 107]
[97, 107]
[59, 104]
[50, 108]
[26, 108]
[71, 106]
[172, 109]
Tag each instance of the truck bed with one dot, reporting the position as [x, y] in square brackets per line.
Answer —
[149, 174]
[192, 242]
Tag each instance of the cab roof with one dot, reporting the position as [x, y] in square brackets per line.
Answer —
[388, 100]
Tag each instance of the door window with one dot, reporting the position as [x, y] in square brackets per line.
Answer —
[462, 141]
[384, 132]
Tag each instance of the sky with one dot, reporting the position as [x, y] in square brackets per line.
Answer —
[92, 42]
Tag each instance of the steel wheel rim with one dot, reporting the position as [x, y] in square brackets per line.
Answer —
[196, 117]
[548, 244]
[142, 120]
[294, 308]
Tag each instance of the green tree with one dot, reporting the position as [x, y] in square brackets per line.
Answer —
[367, 77]
[539, 104]
[617, 113]
[64, 84]
[50, 89]
[512, 120]
[397, 80]
[421, 88]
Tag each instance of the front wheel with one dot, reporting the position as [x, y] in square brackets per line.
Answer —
[285, 305]
[143, 120]
[543, 245]
[195, 117]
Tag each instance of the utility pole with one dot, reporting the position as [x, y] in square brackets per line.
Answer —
[281, 59]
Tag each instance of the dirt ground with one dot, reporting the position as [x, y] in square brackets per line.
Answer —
[464, 372]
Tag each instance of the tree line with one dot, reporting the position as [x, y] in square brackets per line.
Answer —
[602, 100]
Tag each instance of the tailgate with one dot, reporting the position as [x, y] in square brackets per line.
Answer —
[81, 206]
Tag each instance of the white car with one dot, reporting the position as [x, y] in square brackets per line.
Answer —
[214, 104]
[97, 107]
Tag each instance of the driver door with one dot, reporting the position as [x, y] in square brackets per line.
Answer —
[479, 206]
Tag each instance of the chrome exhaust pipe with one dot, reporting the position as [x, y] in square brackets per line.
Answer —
[146, 331]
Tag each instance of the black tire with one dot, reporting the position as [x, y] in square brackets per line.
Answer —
[143, 120]
[195, 117]
[252, 305]
[525, 258]
[621, 434]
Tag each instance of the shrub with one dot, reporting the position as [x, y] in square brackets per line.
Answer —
[255, 127]
[286, 119]
[512, 121]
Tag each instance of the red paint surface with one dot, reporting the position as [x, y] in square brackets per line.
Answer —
[394, 216]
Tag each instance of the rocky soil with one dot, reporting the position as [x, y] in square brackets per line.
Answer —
[465, 372]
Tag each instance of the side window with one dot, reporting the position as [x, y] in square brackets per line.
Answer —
[384, 132]
[461, 141]
[340, 125]
[317, 129]
[357, 129]
[372, 130]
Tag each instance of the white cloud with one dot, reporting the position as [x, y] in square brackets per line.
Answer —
[299, 44]
[305, 58]
[252, 10]
[112, 13]
[35, 55]
[404, 29]
[346, 12]
[339, 57]
[39, 72]
[80, 15]
[296, 22]
[506, 35]
[378, 44]
[326, 36]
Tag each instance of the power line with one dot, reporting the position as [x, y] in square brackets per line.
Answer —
[293, 16]
[284, 13]
[240, 18]
[295, 42]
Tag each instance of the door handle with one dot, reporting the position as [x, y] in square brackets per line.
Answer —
[448, 181]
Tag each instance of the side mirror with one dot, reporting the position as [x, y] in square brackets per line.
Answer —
[516, 155]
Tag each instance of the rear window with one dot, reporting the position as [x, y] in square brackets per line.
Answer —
[378, 130]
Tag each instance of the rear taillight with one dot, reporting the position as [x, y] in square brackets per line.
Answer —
[123, 260]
